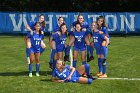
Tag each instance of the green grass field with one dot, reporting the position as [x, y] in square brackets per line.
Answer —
[123, 62]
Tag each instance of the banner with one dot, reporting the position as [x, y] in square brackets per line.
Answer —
[118, 22]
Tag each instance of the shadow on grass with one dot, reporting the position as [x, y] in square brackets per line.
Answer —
[24, 73]
[46, 80]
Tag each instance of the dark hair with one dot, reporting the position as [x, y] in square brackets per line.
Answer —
[79, 16]
[43, 23]
[103, 24]
[60, 17]
[63, 25]
[79, 24]
[39, 29]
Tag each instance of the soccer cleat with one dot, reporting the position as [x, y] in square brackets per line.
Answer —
[66, 58]
[84, 74]
[37, 74]
[103, 76]
[99, 74]
[30, 75]
[92, 77]
[91, 58]
[50, 65]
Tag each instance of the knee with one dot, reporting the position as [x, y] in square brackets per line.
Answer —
[37, 61]
[31, 59]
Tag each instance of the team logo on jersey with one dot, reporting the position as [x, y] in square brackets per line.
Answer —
[95, 39]
[79, 38]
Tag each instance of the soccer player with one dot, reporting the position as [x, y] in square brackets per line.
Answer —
[59, 38]
[52, 43]
[85, 27]
[80, 39]
[66, 73]
[102, 27]
[36, 37]
[30, 28]
[98, 38]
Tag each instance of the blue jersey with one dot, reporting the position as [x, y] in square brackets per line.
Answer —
[36, 41]
[56, 28]
[104, 30]
[98, 38]
[79, 38]
[60, 41]
[65, 73]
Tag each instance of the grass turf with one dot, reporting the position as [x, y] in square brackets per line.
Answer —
[122, 62]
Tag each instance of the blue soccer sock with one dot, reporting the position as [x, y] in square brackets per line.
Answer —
[52, 55]
[42, 50]
[91, 51]
[54, 64]
[74, 63]
[104, 66]
[84, 62]
[28, 50]
[37, 68]
[89, 81]
[100, 64]
[87, 69]
[30, 68]
[105, 49]
[68, 50]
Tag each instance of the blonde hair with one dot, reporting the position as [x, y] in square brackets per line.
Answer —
[62, 66]
[95, 24]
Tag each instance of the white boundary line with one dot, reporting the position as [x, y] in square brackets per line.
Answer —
[71, 57]
[119, 78]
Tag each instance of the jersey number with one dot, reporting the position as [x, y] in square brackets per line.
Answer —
[37, 42]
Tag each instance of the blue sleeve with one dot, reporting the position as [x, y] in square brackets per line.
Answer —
[54, 73]
[102, 36]
[56, 28]
[54, 36]
[105, 30]
[31, 24]
[74, 23]
[86, 33]
[68, 66]
[42, 36]
[71, 33]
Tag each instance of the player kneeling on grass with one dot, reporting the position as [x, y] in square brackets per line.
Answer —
[36, 38]
[66, 73]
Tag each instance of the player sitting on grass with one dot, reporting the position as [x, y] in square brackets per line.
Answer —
[66, 73]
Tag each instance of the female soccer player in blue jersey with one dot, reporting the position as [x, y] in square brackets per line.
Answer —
[30, 27]
[59, 38]
[52, 43]
[80, 39]
[98, 38]
[36, 37]
[84, 27]
[66, 73]
[102, 27]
